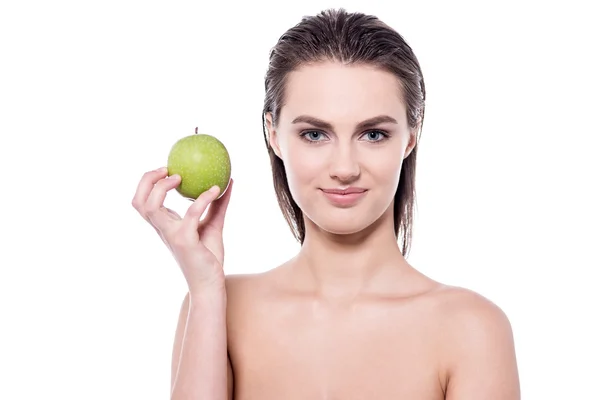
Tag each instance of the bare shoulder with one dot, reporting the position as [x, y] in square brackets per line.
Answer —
[476, 339]
[245, 290]
[242, 288]
[255, 284]
[249, 297]
[246, 284]
[466, 309]
[470, 320]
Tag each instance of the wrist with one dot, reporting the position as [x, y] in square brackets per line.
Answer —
[212, 291]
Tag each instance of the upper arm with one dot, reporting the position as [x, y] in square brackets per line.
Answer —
[177, 345]
[229, 379]
[180, 330]
[481, 353]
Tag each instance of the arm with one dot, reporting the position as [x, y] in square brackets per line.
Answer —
[482, 363]
[200, 368]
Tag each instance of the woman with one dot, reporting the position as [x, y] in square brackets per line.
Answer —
[348, 317]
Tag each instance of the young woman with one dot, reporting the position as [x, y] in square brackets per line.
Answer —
[347, 317]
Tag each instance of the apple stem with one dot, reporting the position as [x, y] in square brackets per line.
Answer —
[196, 132]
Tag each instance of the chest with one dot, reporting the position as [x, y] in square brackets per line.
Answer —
[354, 353]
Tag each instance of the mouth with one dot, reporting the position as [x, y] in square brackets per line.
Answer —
[351, 190]
[344, 197]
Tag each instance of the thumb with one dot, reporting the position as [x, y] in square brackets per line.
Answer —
[216, 214]
[195, 211]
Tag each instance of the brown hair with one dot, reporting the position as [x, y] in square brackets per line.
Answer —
[350, 38]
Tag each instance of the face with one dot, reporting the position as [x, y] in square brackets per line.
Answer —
[342, 136]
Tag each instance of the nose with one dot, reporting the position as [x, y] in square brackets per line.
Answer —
[344, 165]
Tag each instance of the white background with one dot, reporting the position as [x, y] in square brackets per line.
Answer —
[93, 94]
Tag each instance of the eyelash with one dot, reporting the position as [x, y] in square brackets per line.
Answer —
[382, 133]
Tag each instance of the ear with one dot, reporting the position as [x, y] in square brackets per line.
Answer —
[273, 138]
[412, 142]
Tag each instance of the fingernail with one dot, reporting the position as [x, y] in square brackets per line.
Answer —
[215, 189]
[162, 170]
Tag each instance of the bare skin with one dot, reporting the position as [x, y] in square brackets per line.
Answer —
[348, 317]
[426, 343]
[400, 335]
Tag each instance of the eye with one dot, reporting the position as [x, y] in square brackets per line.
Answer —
[375, 136]
[313, 136]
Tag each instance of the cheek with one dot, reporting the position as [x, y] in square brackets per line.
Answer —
[386, 170]
[303, 167]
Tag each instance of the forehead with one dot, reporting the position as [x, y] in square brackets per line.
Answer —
[337, 92]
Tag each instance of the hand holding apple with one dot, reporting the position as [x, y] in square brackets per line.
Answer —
[200, 170]
[202, 162]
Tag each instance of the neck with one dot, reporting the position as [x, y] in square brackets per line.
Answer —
[343, 266]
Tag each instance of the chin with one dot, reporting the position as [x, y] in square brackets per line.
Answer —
[342, 229]
[346, 221]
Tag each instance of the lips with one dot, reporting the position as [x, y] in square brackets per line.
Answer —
[351, 190]
[344, 197]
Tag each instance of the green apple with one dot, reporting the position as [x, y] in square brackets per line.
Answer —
[202, 162]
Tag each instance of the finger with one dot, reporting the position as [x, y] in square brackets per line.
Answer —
[216, 214]
[172, 213]
[159, 191]
[145, 187]
[195, 211]
[154, 208]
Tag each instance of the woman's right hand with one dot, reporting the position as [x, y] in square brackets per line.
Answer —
[196, 245]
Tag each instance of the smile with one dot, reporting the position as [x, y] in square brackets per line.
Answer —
[344, 197]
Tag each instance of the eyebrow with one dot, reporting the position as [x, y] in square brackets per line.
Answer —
[366, 124]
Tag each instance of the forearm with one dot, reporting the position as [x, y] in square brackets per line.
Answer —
[202, 371]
